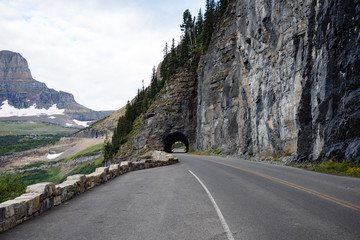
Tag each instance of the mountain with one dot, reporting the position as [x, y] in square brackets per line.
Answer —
[22, 97]
[279, 78]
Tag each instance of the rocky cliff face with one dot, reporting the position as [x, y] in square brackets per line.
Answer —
[21, 91]
[279, 78]
[171, 118]
[283, 78]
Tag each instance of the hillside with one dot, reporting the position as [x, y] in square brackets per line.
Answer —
[102, 128]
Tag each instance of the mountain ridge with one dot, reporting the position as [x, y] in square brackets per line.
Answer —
[20, 90]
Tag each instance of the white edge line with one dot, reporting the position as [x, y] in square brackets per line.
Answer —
[221, 217]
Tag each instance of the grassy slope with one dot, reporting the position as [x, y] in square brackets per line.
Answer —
[59, 174]
[13, 135]
[8, 127]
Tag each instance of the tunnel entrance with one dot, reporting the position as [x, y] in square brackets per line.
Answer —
[172, 138]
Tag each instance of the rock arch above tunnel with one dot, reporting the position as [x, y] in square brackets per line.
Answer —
[172, 138]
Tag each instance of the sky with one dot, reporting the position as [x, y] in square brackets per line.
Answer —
[98, 50]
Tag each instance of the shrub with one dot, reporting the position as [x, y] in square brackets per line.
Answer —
[11, 186]
[333, 166]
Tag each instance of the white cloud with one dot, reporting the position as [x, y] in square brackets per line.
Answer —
[98, 50]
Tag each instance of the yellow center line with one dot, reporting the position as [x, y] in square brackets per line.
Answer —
[304, 189]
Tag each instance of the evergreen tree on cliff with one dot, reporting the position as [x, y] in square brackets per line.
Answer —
[186, 27]
[209, 23]
[199, 25]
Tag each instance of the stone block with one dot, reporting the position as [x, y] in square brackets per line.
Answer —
[104, 171]
[79, 181]
[7, 224]
[124, 167]
[79, 178]
[76, 186]
[145, 163]
[47, 189]
[159, 155]
[57, 200]
[90, 181]
[124, 164]
[47, 204]
[2, 213]
[97, 177]
[7, 209]
[114, 170]
[15, 208]
[67, 190]
[62, 191]
[164, 157]
[32, 201]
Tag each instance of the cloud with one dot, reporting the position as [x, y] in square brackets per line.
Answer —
[98, 50]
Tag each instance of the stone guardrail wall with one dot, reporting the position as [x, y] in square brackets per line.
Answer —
[43, 196]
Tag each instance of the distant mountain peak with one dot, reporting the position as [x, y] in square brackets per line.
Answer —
[13, 67]
[22, 95]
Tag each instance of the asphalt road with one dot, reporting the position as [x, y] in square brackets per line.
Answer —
[256, 201]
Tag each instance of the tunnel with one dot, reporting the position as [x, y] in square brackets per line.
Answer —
[172, 138]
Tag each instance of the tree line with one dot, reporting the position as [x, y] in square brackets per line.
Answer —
[197, 32]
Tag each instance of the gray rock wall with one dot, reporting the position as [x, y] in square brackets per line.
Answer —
[41, 197]
[282, 77]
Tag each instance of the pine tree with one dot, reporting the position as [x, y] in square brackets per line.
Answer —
[166, 50]
[187, 26]
[199, 23]
[223, 4]
[184, 49]
[107, 149]
[209, 23]
[153, 84]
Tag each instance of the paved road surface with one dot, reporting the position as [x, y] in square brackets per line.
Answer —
[256, 200]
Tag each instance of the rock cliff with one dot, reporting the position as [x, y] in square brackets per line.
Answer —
[282, 77]
[21, 91]
[279, 78]
[171, 118]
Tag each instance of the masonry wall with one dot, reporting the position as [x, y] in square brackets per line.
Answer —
[44, 196]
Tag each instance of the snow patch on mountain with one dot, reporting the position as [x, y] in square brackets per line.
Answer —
[6, 110]
[82, 123]
[53, 156]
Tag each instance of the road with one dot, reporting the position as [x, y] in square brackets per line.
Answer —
[255, 201]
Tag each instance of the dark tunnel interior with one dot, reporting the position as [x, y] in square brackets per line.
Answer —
[172, 138]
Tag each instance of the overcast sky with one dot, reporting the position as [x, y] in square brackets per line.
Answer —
[98, 50]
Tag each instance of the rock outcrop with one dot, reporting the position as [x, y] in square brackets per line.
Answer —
[21, 91]
[171, 118]
[283, 78]
[279, 77]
